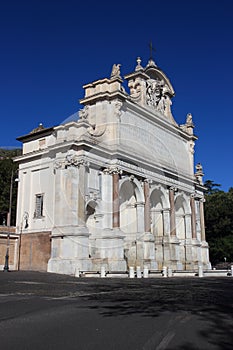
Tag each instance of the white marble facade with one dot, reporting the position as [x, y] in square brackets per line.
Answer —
[116, 187]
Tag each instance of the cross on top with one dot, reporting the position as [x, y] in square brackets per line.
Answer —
[151, 50]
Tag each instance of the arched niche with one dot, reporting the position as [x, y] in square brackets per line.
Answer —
[128, 211]
[90, 216]
[156, 207]
[180, 210]
[130, 195]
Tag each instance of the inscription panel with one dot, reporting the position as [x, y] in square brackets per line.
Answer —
[153, 142]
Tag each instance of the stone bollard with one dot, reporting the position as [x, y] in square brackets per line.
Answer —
[102, 271]
[139, 274]
[200, 271]
[164, 271]
[231, 270]
[131, 272]
[145, 272]
[77, 273]
[169, 272]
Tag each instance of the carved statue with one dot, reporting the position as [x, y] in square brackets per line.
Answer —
[83, 113]
[157, 95]
[189, 119]
[115, 70]
[199, 173]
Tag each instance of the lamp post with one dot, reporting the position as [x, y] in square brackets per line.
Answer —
[6, 266]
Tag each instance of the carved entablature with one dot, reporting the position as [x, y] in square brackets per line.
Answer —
[113, 170]
[71, 160]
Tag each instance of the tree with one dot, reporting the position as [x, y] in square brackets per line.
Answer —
[8, 173]
[219, 222]
[211, 186]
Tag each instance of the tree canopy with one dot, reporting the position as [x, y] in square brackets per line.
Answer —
[219, 222]
[8, 174]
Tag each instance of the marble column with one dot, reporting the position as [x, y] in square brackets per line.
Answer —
[202, 219]
[172, 212]
[115, 200]
[147, 220]
[81, 194]
[107, 191]
[166, 222]
[188, 226]
[140, 216]
[193, 217]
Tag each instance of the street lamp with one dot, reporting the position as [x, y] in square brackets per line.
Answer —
[6, 266]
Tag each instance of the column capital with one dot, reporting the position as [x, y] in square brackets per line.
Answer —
[173, 188]
[197, 197]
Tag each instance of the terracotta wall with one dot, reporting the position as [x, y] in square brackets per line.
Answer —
[13, 245]
[12, 248]
[35, 251]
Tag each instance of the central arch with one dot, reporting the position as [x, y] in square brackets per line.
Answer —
[131, 195]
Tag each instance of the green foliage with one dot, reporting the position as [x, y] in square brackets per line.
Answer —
[8, 171]
[219, 223]
[211, 186]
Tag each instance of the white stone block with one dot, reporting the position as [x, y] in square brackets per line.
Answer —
[169, 272]
[138, 272]
[77, 272]
[200, 271]
[131, 272]
[102, 271]
[164, 271]
[145, 272]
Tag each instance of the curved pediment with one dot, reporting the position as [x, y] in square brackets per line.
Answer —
[151, 88]
[157, 74]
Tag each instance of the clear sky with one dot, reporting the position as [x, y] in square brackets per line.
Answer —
[50, 49]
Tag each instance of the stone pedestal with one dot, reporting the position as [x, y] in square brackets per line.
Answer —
[175, 262]
[205, 255]
[196, 253]
[69, 250]
[109, 251]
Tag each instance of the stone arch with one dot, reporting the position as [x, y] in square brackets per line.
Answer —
[157, 204]
[131, 196]
[180, 210]
[137, 187]
[91, 207]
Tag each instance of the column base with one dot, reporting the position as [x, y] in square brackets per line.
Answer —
[108, 250]
[111, 265]
[68, 266]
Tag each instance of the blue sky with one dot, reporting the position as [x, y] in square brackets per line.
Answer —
[50, 49]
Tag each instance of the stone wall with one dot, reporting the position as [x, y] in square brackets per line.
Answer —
[35, 251]
[12, 244]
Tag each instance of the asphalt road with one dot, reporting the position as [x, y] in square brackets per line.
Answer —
[48, 311]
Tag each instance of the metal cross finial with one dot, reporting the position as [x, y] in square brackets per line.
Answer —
[151, 50]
